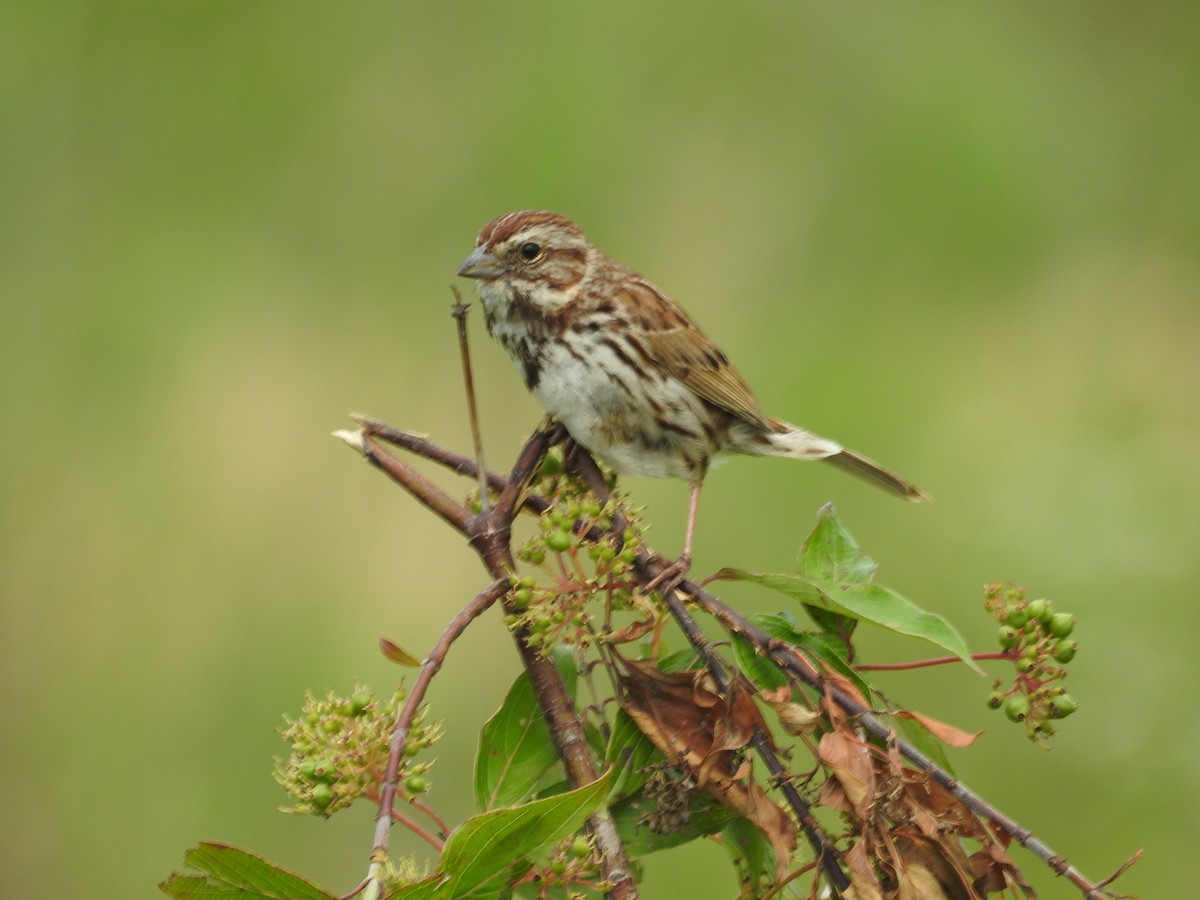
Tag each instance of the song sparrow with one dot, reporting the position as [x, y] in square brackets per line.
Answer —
[622, 367]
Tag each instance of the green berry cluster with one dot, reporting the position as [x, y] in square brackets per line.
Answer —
[340, 749]
[572, 862]
[578, 555]
[1038, 641]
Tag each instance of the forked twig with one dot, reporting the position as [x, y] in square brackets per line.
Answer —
[490, 533]
[416, 694]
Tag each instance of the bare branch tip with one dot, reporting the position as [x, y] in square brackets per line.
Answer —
[459, 307]
[353, 439]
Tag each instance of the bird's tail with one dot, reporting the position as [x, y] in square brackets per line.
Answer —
[868, 469]
[796, 443]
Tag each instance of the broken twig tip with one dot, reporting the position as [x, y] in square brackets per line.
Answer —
[353, 439]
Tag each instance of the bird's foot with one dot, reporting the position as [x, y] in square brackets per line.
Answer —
[670, 576]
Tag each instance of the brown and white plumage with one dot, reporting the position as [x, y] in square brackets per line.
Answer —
[623, 368]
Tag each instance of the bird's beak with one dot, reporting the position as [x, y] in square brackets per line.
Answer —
[481, 264]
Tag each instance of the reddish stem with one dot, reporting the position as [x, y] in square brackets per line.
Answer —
[923, 663]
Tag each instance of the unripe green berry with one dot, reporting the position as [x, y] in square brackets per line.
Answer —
[1064, 650]
[995, 700]
[359, 703]
[1062, 624]
[1017, 616]
[581, 848]
[1016, 707]
[521, 597]
[1038, 609]
[1062, 706]
[558, 866]
[1008, 637]
[322, 796]
[536, 555]
[558, 541]
[307, 770]
[416, 784]
[1024, 664]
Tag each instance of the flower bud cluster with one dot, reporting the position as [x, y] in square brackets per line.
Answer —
[340, 749]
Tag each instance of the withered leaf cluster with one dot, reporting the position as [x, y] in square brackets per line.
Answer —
[904, 835]
[706, 734]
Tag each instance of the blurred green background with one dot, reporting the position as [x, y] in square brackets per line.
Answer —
[959, 237]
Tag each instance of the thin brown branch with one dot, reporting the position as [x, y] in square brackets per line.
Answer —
[421, 446]
[429, 494]
[459, 310]
[798, 666]
[490, 533]
[650, 571]
[416, 694]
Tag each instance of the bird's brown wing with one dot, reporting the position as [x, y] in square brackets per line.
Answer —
[690, 356]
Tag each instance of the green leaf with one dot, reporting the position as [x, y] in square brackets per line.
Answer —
[484, 846]
[685, 660]
[233, 873]
[706, 816]
[628, 753]
[759, 669]
[835, 576]
[829, 553]
[823, 646]
[515, 750]
[752, 855]
[431, 888]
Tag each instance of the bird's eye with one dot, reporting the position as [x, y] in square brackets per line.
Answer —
[530, 250]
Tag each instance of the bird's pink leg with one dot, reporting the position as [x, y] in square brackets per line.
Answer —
[677, 571]
[685, 561]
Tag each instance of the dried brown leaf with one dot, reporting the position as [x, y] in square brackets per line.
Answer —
[684, 715]
[927, 798]
[939, 868]
[849, 761]
[947, 734]
[863, 879]
[796, 718]
[995, 871]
